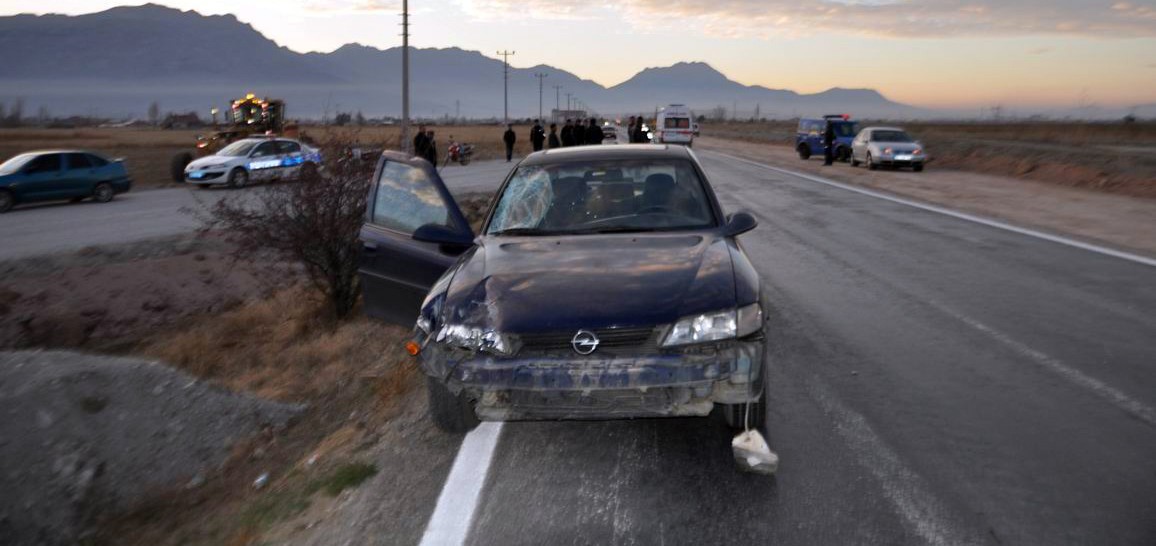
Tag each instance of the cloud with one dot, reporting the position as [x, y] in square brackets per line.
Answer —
[353, 6]
[1040, 51]
[884, 18]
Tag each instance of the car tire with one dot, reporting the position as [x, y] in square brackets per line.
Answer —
[735, 414]
[804, 152]
[308, 171]
[238, 178]
[918, 167]
[451, 412]
[842, 154]
[178, 164]
[871, 163]
[103, 192]
[7, 201]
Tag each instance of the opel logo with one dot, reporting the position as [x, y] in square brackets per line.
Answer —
[584, 342]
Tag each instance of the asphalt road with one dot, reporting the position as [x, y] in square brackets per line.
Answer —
[933, 381]
[44, 228]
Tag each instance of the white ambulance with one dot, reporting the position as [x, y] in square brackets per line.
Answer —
[675, 125]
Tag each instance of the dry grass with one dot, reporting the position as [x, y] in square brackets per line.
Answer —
[282, 347]
[148, 152]
[351, 374]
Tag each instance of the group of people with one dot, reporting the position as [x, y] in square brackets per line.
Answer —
[636, 131]
[573, 133]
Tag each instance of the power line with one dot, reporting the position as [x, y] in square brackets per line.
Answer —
[506, 83]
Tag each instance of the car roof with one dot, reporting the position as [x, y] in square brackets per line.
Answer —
[882, 128]
[601, 153]
[42, 152]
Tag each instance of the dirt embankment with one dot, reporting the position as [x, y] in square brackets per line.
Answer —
[85, 434]
[1116, 220]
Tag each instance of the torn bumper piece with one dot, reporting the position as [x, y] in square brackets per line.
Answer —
[601, 387]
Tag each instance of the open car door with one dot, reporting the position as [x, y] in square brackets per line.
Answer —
[413, 232]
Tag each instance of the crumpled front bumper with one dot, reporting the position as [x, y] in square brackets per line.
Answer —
[672, 383]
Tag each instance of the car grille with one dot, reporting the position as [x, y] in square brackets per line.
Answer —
[610, 340]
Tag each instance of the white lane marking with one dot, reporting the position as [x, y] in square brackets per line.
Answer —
[956, 214]
[1097, 387]
[922, 512]
[454, 515]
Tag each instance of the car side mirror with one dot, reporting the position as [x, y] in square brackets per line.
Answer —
[451, 240]
[740, 223]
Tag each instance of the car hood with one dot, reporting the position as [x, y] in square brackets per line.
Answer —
[211, 160]
[542, 284]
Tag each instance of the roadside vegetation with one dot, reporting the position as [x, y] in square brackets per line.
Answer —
[1114, 157]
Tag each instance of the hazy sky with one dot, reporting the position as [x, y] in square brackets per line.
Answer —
[935, 53]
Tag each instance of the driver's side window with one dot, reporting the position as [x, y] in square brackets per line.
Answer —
[407, 199]
[265, 149]
[47, 163]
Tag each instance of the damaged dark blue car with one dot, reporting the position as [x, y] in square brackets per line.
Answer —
[606, 283]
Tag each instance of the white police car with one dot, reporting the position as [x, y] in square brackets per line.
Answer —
[254, 159]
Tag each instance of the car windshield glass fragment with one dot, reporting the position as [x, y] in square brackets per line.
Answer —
[15, 164]
[603, 196]
[238, 149]
[890, 136]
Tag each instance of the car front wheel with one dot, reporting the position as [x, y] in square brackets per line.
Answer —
[6, 201]
[851, 157]
[871, 162]
[804, 152]
[238, 178]
[735, 415]
[451, 412]
[103, 193]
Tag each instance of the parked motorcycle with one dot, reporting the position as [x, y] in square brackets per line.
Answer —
[459, 153]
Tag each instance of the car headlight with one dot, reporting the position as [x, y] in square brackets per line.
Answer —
[715, 326]
[474, 339]
[203, 167]
[917, 151]
[887, 151]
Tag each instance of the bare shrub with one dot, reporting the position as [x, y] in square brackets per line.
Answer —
[313, 222]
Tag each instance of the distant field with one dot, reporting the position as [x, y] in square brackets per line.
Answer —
[1113, 157]
[147, 152]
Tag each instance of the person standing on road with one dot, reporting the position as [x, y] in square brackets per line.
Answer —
[638, 134]
[509, 138]
[420, 142]
[537, 136]
[630, 131]
[829, 144]
[594, 132]
[431, 149]
[568, 133]
[554, 142]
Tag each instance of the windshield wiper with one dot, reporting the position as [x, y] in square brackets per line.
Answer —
[625, 229]
[524, 231]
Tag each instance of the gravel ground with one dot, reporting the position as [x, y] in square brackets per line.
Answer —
[84, 434]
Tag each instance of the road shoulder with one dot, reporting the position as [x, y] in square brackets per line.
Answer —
[1113, 220]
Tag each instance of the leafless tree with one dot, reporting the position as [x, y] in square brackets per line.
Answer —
[154, 113]
[314, 222]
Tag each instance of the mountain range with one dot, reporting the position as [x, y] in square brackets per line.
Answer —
[117, 62]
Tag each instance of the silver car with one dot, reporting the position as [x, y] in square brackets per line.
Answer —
[890, 146]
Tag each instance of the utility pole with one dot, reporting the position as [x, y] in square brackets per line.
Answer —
[557, 102]
[506, 83]
[568, 107]
[541, 77]
[405, 140]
